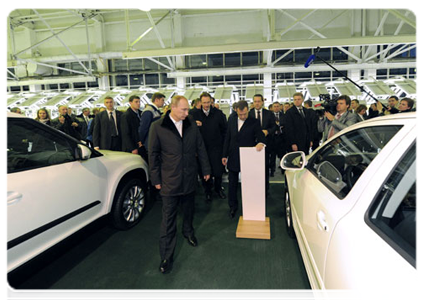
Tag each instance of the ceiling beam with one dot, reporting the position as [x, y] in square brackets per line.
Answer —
[285, 69]
[305, 44]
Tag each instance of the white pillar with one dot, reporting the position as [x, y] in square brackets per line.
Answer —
[267, 80]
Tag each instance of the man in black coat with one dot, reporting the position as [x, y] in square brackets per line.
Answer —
[268, 126]
[107, 130]
[243, 131]
[131, 141]
[65, 123]
[298, 132]
[213, 125]
[174, 143]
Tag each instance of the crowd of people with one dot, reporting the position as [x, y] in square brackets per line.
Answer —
[182, 143]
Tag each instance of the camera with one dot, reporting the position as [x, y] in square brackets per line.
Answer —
[329, 104]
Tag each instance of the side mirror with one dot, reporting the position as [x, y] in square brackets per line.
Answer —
[294, 161]
[84, 152]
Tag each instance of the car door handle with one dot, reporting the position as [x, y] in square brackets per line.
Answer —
[13, 197]
[321, 221]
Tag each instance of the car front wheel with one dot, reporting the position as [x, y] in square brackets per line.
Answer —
[129, 204]
[288, 214]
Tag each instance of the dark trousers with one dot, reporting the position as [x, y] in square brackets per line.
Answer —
[208, 185]
[233, 190]
[116, 143]
[167, 241]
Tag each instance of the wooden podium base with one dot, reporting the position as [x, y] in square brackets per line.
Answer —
[253, 229]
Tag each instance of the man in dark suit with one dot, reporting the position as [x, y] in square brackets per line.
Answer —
[107, 129]
[317, 136]
[83, 120]
[131, 141]
[277, 147]
[243, 131]
[299, 132]
[213, 125]
[268, 126]
[174, 143]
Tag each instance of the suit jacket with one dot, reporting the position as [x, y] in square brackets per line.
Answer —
[213, 130]
[347, 119]
[130, 135]
[249, 135]
[298, 129]
[173, 159]
[82, 126]
[102, 134]
[267, 122]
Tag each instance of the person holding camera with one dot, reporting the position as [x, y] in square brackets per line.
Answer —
[331, 124]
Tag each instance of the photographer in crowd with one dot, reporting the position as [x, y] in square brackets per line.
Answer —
[330, 124]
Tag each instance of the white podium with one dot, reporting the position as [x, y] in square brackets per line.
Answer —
[253, 223]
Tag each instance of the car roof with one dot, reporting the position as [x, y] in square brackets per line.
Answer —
[15, 115]
[407, 115]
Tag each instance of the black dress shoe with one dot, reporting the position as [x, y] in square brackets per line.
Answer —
[192, 240]
[165, 266]
[208, 198]
[221, 194]
[232, 213]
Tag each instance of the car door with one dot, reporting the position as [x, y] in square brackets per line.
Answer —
[324, 188]
[50, 193]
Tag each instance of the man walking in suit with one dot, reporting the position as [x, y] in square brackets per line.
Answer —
[131, 141]
[331, 124]
[213, 125]
[174, 143]
[243, 131]
[107, 130]
[299, 132]
[268, 126]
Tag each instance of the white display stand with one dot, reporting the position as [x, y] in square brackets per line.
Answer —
[253, 223]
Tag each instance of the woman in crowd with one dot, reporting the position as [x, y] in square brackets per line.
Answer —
[43, 116]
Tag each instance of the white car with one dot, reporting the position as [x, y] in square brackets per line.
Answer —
[352, 206]
[56, 185]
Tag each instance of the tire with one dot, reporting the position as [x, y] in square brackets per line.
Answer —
[288, 214]
[129, 204]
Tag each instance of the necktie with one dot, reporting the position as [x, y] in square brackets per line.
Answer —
[113, 125]
[258, 116]
[86, 120]
[332, 129]
[301, 112]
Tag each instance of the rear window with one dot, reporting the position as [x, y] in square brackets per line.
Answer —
[393, 212]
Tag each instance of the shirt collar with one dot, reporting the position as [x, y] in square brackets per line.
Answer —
[154, 105]
[175, 122]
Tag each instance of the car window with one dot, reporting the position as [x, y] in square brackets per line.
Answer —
[393, 213]
[31, 145]
[340, 163]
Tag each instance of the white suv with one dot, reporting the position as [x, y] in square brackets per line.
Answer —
[57, 185]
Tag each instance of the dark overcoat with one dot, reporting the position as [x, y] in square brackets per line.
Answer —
[213, 131]
[173, 159]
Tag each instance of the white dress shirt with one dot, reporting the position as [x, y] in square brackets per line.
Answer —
[178, 125]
